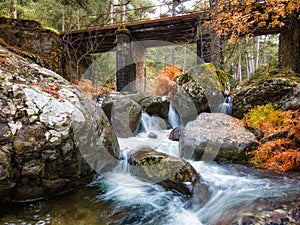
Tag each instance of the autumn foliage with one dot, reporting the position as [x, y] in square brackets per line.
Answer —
[90, 90]
[280, 148]
[235, 18]
[166, 80]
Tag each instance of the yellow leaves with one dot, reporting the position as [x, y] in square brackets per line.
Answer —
[262, 23]
[239, 18]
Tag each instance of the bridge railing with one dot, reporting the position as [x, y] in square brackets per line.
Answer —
[119, 17]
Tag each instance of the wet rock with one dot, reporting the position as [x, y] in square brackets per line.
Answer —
[171, 172]
[259, 134]
[152, 135]
[5, 165]
[219, 137]
[5, 133]
[201, 90]
[124, 114]
[152, 104]
[33, 168]
[156, 106]
[176, 133]
[280, 91]
[275, 136]
[52, 137]
[30, 138]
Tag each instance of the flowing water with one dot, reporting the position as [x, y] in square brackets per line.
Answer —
[118, 197]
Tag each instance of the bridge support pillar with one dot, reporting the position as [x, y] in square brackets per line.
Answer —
[125, 77]
[140, 62]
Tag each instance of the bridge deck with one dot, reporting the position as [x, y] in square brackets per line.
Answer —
[177, 30]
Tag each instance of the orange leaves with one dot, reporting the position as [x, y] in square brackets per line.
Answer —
[172, 72]
[237, 19]
[90, 90]
[166, 80]
[49, 88]
[282, 153]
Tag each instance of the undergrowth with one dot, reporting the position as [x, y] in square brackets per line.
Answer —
[166, 80]
[90, 90]
[281, 153]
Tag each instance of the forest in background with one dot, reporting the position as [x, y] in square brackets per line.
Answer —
[241, 59]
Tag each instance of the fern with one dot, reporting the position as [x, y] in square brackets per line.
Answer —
[281, 154]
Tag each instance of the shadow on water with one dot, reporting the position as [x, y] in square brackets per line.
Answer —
[77, 207]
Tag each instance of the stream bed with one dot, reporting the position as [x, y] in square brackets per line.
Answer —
[238, 195]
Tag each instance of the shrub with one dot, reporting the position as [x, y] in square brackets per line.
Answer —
[166, 80]
[283, 153]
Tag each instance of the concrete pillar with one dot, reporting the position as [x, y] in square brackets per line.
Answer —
[124, 62]
[140, 62]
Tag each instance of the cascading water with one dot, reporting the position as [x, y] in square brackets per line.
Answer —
[226, 106]
[232, 188]
[173, 117]
[125, 199]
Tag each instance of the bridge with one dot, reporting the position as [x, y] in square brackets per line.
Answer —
[130, 39]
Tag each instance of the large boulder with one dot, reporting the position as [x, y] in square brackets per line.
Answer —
[52, 138]
[124, 110]
[282, 88]
[219, 137]
[125, 117]
[202, 89]
[171, 172]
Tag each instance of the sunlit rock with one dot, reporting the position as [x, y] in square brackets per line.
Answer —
[217, 137]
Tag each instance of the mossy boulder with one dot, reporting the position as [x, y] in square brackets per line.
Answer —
[171, 172]
[271, 85]
[202, 88]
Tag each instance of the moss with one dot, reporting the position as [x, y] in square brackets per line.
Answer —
[25, 74]
[184, 78]
[12, 138]
[268, 73]
[122, 30]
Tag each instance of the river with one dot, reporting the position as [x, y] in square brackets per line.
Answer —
[237, 193]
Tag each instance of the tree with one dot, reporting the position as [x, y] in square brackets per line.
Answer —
[235, 19]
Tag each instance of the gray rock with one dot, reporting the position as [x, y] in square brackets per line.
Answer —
[176, 133]
[281, 92]
[171, 172]
[219, 137]
[52, 137]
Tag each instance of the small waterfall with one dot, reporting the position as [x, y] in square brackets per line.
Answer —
[226, 106]
[173, 117]
[151, 123]
[145, 122]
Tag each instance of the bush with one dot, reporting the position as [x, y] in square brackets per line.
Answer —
[166, 80]
[283, 153]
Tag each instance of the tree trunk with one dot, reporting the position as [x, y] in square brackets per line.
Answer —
[289, 47]
[216, 42]
[239, 73]
[15, 12]
[123, 13]
[112, 11]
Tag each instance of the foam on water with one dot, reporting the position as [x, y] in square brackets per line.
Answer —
[231, 186]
